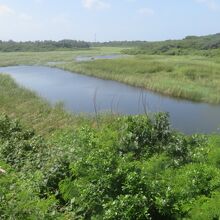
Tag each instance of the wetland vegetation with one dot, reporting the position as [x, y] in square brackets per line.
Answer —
[100, 168]
[193, 75]
[190, 77]
[64, 166]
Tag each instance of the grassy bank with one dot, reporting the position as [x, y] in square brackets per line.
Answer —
[188, 77]
[34, 112]
[115, 168]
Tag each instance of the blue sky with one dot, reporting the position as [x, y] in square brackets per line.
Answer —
[109, 19]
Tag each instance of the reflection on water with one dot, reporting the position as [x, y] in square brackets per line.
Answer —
[80, 93]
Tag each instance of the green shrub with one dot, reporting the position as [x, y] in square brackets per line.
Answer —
[19, 198]
[142, 135]
[134, 167]
[28, 153]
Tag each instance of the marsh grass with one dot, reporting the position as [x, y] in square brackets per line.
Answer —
[188, 77]
[33, 111]
[41, 58]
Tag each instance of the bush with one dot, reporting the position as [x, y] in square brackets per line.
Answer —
[29, 153]
[19, 198]
[134, 167]
[143, 135]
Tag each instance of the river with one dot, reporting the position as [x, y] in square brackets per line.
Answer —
[84, 94]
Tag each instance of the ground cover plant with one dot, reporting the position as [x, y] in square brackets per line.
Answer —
[121, 167]
[134, 168]
[56, 165]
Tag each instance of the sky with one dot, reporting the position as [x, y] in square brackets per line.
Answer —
[108, 20]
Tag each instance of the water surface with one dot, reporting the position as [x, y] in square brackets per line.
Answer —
[100, 57]
[86, 94]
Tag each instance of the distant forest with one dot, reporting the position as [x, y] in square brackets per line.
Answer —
[190, 44]
[12, 46]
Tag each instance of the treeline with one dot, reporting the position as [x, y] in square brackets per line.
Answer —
[119, 44]
[134, 167]
[188, 45]
[12, 46]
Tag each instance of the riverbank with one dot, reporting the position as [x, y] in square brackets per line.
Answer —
[86, 168]
[186, 77]
[189, 77]
[35, 112]
[85, 94]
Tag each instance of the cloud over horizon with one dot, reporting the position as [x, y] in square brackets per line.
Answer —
[95, 4]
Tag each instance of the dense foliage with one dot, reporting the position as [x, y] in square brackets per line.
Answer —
[189, 45]
[134, 167]
[120, 44]
[171, 47]
[11, 46]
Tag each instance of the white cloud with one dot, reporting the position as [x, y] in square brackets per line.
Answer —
[146, 11]
[5, 10]
[95, 4]
[211, 4]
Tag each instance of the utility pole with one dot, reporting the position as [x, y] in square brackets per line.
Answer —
[95, 38]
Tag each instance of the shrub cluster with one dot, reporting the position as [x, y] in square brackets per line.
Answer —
[135, 167]
[188, 45]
